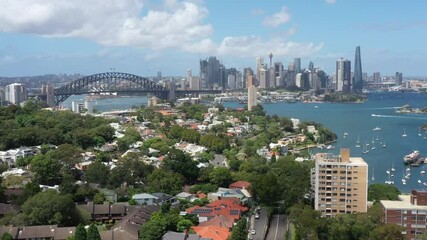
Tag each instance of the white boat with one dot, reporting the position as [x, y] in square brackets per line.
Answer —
[404, 133]
[358, 142]
[365, 149]
[388, 172]
[373, 146]
[316, 106]
[419, 132]
[329, 147]
[376, 129]
[373, 174]
[419, 181]
[377, 138]
[345, 135]
[384, 145]
[392, 167]
[423, 172]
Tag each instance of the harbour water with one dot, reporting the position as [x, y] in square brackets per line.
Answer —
[357, 120]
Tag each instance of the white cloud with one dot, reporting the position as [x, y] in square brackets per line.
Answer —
[252, 46]
[109, 22]
[177, 25]
[277, 19]
[330, 1]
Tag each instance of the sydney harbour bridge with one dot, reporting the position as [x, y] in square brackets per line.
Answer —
[121, 83]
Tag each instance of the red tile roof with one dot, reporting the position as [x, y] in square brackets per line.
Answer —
[215, 233]
[240, 185]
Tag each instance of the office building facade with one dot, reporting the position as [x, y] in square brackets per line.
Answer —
[399, 78]
[358, 78]
[343, 75]
[340, 183]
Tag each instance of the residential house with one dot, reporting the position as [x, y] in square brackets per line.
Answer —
[128, 228]
[144, 199]
[8, 208]
[181, 236]
[224, 193]
[184, 196]
[240, 185]
[212, 232]
[105, 211]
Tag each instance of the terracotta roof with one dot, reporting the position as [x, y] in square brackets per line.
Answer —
[240, 185]
[215, 233]
[219, 221]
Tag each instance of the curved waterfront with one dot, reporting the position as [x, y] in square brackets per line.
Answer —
[359, 120]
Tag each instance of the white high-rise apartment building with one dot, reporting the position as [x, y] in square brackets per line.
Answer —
[15, 93]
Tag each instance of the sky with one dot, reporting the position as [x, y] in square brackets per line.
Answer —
[146, 36]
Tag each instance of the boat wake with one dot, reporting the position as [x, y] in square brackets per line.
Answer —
[394, 116]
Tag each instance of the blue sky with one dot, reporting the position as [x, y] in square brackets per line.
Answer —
[146, 36]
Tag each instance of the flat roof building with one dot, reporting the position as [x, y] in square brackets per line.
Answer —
[340, 183]
[410, 212]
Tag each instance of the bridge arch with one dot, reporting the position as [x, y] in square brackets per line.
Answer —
[110, 82]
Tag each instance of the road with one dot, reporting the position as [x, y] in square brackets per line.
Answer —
[277, 228]
[260, 225]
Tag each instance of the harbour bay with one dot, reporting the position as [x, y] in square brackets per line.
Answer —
[356, 119]
[359, 120]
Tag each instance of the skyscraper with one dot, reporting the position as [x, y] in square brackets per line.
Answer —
[252, 94]
[399, 78]
[212, 73]
[297, 64]
[358, 78]
[15, 93]
[343, 75]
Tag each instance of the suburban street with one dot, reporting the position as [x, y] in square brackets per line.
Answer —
[277, 228]
[260, 225]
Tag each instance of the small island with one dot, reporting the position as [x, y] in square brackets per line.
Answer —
[408, 109]
[339, 97]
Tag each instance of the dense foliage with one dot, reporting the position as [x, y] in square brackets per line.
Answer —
[30, 126]
[343, 97]
[378, 192]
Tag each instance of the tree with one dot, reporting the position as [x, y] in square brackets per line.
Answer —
[378, 192]
[99, 198]
[80, 233]
[387, 231]
[46, 169]
[153, 229]
[6, 236]
[306, 221]
[180, 162]
[220, 176]
[214, 142]
[266, 189]
[97, 172]
[165, 181]
[67, 154]
[93, 233]
[50, 207]
[239, 231]
[183, 224]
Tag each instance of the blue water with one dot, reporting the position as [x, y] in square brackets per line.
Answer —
[356, 119]
[109, 104]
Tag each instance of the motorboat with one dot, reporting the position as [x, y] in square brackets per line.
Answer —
[376, 129]
[412, 157]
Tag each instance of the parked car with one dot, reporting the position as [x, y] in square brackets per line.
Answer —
[256, 216]
[253, 232]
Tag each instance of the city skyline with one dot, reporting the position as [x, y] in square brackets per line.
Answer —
[171, 36]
